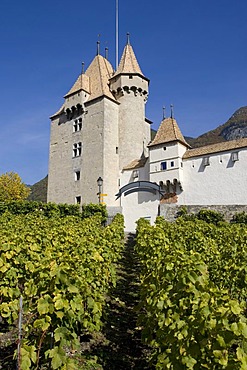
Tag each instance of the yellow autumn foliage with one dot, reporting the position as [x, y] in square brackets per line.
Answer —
[12, 187]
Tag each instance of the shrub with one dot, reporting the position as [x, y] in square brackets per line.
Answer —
[88, 210]
[23, 207]
[240, 218]
[210, 216]
[183, 213]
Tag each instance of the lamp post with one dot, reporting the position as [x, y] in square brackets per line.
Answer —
[100, 183]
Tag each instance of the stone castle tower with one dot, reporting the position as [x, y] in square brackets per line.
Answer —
[100, 128]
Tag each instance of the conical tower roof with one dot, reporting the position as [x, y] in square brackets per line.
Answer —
[128, 63]
[168, 131]
[95, 80]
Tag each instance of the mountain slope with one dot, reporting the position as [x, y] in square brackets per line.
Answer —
[39, 191]
[234, 128]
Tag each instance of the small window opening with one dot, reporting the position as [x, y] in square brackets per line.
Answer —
[163, 166]
[116, 149]
[235, 156]
[135, 174]
[206, 161]
[164, 147]
[172, 163]
[77, 149]
[78, 199]
[77, 175]
[77, 126]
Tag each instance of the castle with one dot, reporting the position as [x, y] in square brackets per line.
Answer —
[101, 133]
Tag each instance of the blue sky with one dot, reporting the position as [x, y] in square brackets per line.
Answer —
[194, 53]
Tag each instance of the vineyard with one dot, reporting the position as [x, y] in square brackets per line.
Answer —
[193, 293]
[62, 268]
[181, 287]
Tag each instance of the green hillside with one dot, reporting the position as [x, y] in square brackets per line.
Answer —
[39, 191]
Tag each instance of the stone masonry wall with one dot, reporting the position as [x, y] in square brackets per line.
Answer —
[170, 211]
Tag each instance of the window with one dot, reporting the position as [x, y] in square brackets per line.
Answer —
[235, 156]
[78, 199]
[77, 175]
[77, 147]
[116, 149]
[77, 126]
[163, 166]
[135, 174]
[172, 163]
[206, 161]
[164, 147]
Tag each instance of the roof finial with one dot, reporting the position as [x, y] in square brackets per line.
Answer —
[98, 44]
[172, 111]
[106, 52]
[164, 112]
[117, 31]
[128, 38]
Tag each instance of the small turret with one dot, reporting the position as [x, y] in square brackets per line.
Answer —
[166, 152]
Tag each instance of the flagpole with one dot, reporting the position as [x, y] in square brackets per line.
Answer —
[117, 25]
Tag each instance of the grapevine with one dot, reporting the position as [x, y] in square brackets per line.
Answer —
[193, 294]
[63, 269]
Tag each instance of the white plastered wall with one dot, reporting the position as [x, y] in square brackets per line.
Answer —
[171, 152]
[222, 182]
[139, 204]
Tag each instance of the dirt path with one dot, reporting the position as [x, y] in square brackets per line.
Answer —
[124, 350]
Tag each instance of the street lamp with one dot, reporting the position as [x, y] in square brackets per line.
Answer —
[100, 183]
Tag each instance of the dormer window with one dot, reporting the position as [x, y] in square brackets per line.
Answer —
[206, 161]
[235, 156]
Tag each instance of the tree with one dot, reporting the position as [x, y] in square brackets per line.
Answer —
[12, 187]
